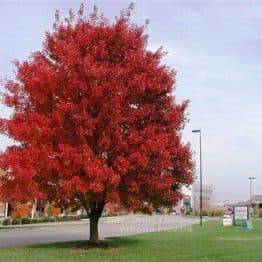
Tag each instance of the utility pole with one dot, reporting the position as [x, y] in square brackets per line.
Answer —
[250, 186]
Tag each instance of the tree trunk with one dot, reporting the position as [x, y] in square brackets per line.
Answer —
[94, 229]
[95, 212]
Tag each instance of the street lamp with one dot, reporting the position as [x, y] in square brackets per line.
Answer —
[200, 167]
[250, 186]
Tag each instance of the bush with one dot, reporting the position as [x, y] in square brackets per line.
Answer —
[53, 211]
[21, 211]
[16, 221]
[83, 216]
[114, 214]
[147, 209]
[52, 219]
[260, 212]
[35, 220]
[45, 220]
[211, 213]
[219, 212]
[204, 213]
[216, 212]
[69, 218]
[7, 222]
[26, 220]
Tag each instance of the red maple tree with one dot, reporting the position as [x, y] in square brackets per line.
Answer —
[95, 121]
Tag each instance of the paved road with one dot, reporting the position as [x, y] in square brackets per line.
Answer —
[108, 227]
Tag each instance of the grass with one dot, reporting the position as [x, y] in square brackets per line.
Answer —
[212, 242]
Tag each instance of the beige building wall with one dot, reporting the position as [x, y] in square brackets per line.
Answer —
[207, 197]
[3, 209]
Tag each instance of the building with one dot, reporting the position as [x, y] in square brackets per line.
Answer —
[255, 203]
[185, 203]
[3, 210]
[207, 197]
[191, 198]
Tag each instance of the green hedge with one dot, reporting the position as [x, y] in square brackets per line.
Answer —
[16, 221]
[26, 221]
[7, 222]
[69, 218]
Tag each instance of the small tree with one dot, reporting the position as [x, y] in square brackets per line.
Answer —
[21, 211]
[96, 121]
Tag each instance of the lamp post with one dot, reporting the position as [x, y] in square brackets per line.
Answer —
[250, 186]
[200, 168]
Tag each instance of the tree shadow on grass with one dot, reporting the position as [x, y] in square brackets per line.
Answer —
[109, 244]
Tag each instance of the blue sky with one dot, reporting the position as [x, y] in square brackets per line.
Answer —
[216, 47]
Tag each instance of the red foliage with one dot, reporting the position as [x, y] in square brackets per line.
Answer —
[112, 208]
[21, 211]
[96, 120]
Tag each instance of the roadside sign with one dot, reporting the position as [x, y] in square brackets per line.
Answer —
[227, 221]
[241, 213]
[230, 211]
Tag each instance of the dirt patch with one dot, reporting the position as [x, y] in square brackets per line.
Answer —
[84, 250]
[87, 246]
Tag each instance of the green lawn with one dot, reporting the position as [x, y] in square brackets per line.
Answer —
[209, 243]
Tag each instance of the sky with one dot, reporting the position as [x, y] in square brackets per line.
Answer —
[216, 48]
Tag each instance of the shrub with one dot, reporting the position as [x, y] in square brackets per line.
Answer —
[69, 218]
[45, 220]
[211, 213]
[114, 214]
[35, 220]
[147, 209]
[83, 216]
[6, 222]
[204, 213]
[260, 212]
[16, 221]
[67, 211]
[53, 211]
[26, 220]
[219, 212]
[21, 211]
[52, 219]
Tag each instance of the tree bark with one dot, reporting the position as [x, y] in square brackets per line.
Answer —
[94, 229]
[95, 212]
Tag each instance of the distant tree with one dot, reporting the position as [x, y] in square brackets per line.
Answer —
[95, 120]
